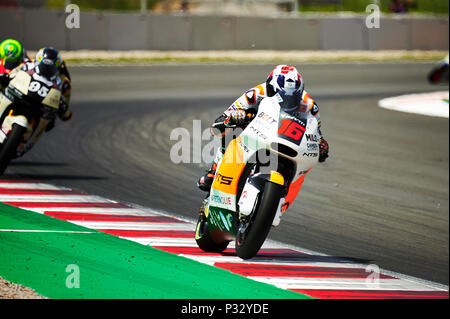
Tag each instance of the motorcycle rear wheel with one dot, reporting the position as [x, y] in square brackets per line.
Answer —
[10, 144]
[203, 238]
[252, 238]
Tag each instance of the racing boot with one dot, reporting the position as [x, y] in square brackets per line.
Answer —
[205, 182]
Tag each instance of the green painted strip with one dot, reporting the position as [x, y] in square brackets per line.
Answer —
[109, 267]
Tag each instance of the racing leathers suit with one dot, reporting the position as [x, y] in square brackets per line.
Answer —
[249, 102]
[5, 72]
[62, 80]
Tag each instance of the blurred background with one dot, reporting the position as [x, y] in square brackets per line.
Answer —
[228, 24]
[402, 6]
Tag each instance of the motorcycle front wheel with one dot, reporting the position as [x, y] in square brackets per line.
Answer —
[9, 147]
[253, 232]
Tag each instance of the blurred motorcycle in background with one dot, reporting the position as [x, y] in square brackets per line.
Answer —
[27, 105]
[439, 74]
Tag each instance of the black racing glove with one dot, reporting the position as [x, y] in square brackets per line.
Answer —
[63, 112]
[323, 150]
[236, 117]
[50, 125]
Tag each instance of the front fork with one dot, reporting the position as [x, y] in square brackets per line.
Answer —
[34, 130]
[8, 122]
[251, 192]
[203, 217]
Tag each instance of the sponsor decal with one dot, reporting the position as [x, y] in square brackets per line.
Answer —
[266, 117]
[310, 154]
[230, 219]
[224, 179]
[225, 221]
[258, 132]
[213, 220]
[279, 99]
[293, 118]
[312, 146]
[312, 138]
[286, 69]
[221, 200]
[244, 147]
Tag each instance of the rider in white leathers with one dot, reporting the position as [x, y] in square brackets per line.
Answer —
[284, 80]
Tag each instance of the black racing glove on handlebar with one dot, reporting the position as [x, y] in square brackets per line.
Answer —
[236, 118]
[323, 150]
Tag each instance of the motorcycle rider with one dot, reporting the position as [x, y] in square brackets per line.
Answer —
[49, 65]
[440, 72]
[12, 55]
[285, 81]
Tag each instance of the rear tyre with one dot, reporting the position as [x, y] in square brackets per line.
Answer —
[250, 238]
[9, 147]
[203, 238]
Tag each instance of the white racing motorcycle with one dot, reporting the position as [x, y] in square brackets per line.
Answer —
[27, 106]
[257, 179]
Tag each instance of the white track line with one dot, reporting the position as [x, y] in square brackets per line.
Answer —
[47, 231]
[430, 104]
[94, 210]
[53, 198]
[37, 186]
[274, 261]
[340, 283]
[169, 241]
[133, 225]
[402, 283]
[156, 241]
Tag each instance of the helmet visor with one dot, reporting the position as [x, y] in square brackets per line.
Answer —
[290, 103]
[47, 68]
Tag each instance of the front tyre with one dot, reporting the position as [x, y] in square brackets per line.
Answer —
[10, 144]
[251, 237]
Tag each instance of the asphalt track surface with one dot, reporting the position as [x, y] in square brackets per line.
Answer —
[382, 196]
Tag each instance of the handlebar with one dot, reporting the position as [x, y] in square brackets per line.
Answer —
[218, 124]
[222, 127]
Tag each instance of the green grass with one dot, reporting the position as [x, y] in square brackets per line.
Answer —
[113, 5]
[433, 58]
[420, 6]
[36, 251]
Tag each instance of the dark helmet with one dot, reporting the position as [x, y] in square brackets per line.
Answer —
[286, 81]
[48, 61]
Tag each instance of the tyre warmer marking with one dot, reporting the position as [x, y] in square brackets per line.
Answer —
[313, 274]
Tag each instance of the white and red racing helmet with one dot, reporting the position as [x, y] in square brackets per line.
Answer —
[288, 83]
